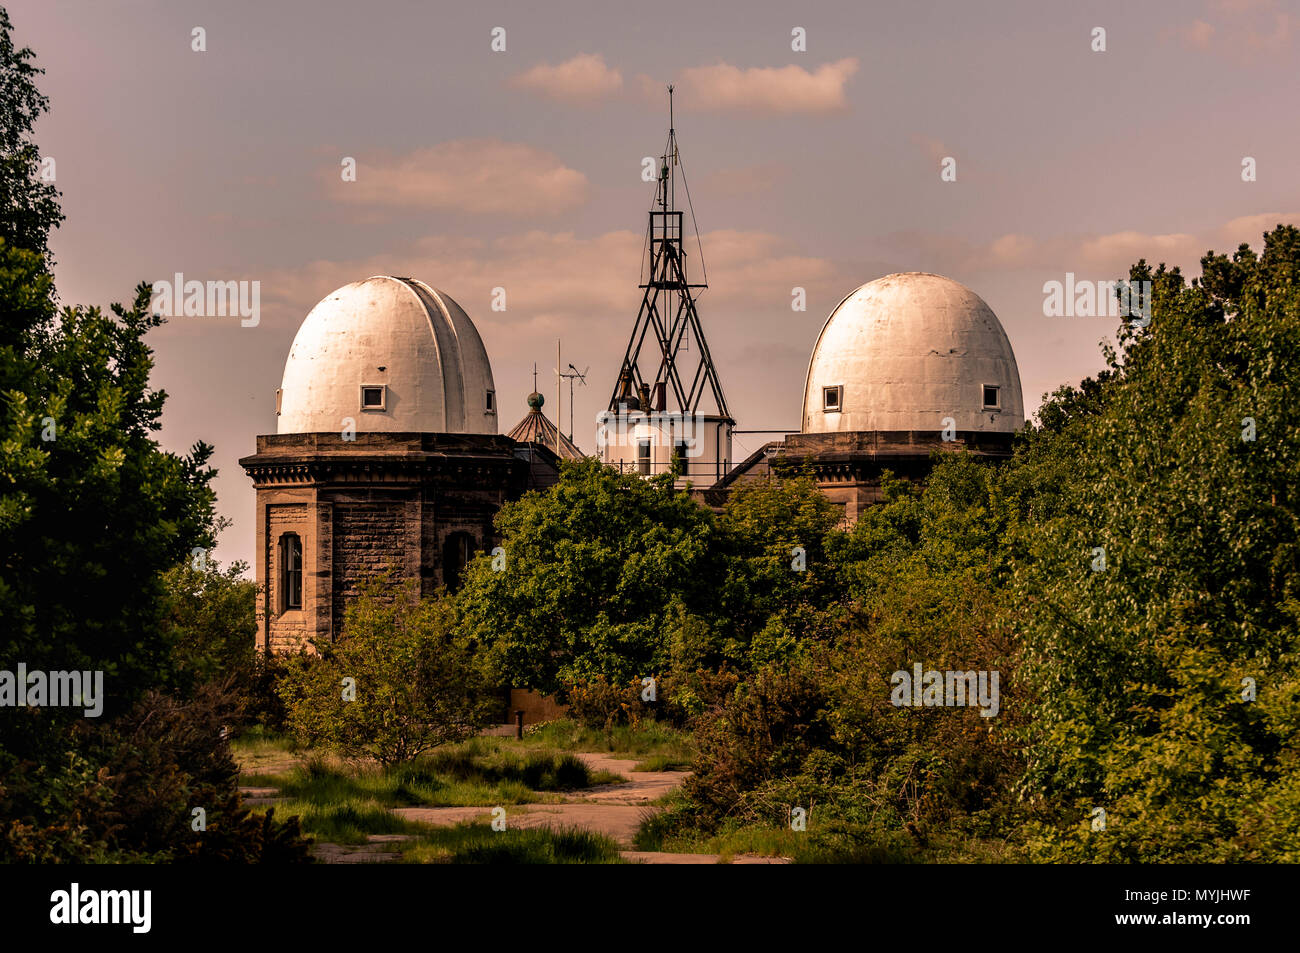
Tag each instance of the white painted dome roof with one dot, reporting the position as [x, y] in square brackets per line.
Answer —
[906, 351]
[392, 354]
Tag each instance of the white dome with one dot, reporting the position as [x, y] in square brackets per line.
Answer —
[906, 351]
[392, 354]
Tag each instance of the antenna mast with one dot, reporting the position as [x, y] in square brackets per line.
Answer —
[654, 380]
[571, 375]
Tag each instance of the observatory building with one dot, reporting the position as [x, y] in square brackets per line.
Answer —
[904, 365]
[386, 457]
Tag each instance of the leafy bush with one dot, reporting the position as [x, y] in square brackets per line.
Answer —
[415, 687]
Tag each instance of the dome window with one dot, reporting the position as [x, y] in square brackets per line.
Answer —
[992, 397]
[831, 397]
[491, 402]
[374, 397]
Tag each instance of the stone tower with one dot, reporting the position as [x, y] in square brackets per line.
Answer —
[386, 457]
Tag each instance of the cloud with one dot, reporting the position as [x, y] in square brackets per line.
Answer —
[1251, 228]
[1103, 256]
[763, 90]
[753, 268]
[558, 281]
[1012, 250]
[476, 176]
[1197, 35]
[1247, 31]
[934, 148]
[584, 79]
[1118, 250]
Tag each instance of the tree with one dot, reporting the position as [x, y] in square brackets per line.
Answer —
[394, 685]
[590, 569]
[92, 514]
[210, 621]
[816, 726]
[29, 206]
[1161, 590]
[779, 586]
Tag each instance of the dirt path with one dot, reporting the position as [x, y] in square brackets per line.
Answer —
[615, 810]
[641, 787]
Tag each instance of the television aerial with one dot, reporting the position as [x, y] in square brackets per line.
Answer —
[573, 374]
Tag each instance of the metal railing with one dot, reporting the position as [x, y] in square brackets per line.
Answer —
[686, 469]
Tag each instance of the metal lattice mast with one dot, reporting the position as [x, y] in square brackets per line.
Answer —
[668, 313]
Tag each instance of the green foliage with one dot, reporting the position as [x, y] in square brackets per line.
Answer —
[48, 806]
[591, 568]
[92, 514]
[210, 621]
[127, 790]
[647, 738]
[168, 757]
[598, 703]
[415, 687]
[476, 772]
[1139, 668]
[610, 578]
[532, 846]
[779, 586]
[816, 728]
[475, 843]
[98, 508]
[29, 207]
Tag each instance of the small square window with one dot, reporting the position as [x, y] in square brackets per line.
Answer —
[831, 398]
[373, 396]
[992, 397]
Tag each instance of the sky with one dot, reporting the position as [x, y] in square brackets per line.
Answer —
[520, 168]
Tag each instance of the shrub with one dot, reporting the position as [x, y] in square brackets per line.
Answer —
[412, 686]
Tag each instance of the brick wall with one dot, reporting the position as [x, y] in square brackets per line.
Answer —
[369, 538]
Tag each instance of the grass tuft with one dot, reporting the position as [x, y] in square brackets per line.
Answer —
[474, 843]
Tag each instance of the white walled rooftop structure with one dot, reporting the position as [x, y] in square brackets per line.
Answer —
[908, 350]
[413, 342]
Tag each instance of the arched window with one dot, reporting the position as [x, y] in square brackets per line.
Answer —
[290, 572]
[456, 554]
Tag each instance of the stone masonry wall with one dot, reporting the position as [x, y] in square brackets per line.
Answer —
[369, 539]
